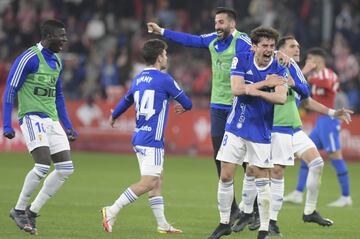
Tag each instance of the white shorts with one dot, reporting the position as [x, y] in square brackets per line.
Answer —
[235, 150]
[282, 152]
[301, 143]
[150, 160]
[40, 132]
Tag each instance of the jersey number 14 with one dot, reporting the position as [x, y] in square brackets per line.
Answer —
[145, 105]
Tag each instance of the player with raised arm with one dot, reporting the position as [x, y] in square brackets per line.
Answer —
[150, 91]
[222, 44]
[35, 77]
[258, 81]
[326, 134]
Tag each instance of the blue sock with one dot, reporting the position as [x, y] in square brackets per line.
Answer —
[342, 174]
[303, 173]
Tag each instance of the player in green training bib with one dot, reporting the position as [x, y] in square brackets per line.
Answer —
[288, 139]
[35, 79]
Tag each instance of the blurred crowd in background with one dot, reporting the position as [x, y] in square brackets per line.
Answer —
[105, 38]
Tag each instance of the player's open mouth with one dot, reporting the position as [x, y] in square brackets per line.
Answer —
[267, 56]
[220, 33]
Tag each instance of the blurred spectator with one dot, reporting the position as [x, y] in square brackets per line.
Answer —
[105, 37]
[89, 113]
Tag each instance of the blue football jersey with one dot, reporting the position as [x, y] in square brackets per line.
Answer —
[150, 91]
[252, 117]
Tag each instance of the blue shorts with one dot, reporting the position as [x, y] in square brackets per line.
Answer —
[218, 121]
[326, 134]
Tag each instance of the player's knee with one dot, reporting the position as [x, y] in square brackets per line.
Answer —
[64, 169]
[41, 170]
[277, 172]
[317, 164]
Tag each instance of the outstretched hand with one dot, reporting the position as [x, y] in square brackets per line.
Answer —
[344, 114]
[179, 109]
[153, 28]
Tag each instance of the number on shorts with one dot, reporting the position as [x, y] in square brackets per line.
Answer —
[225, 139]
[40, 127]
[145, 105]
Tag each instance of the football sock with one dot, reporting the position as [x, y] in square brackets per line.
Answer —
[249, 193]
[313, 184]
[52, 184]
[342, 174]
[157, 206]
[303, 174]
[127, 197]
[277, 197]
[225, 198]
[31, 182]
[264, 200]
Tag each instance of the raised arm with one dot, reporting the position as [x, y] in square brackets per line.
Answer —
[185, 39]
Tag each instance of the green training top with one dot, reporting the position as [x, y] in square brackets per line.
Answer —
[221, 64]
[287, 114]
[38, 93]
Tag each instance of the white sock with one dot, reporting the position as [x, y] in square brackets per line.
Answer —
[31, 182]
[249, 193]
[264, 202]
[313, 184]
[277, 197]
[157, 206]
[52, 184]
[127, 197]
[225, 198]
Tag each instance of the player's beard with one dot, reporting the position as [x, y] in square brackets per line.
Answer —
[226, 34]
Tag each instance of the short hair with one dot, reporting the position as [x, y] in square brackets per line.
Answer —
[152, 49]
[228, 11]
[49, 26]
[282, 41]
[317, 51]
[263, 32]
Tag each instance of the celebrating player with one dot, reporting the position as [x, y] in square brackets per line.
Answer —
[150, 91]
[35, 79]
[248, 127]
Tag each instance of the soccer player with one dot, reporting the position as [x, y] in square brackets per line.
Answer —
[248, 127]
[222, 44]
[35, 79]
[288, 138]
[326, 134]
[150, 91]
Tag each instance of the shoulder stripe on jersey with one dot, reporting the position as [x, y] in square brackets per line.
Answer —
[299, 73]
[161, 120]
[16, 77]
[245, 38]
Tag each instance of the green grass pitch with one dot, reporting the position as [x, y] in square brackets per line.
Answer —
[190, 192]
